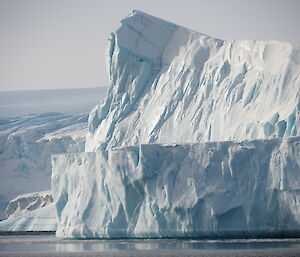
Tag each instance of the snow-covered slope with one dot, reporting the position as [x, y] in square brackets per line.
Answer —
[28, 202]
[30, 212]
[173, 85]
[41, 219]
[179, 190]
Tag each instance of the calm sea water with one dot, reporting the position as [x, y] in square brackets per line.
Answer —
[49, 245]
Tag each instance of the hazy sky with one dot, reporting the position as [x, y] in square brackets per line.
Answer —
[47, 44]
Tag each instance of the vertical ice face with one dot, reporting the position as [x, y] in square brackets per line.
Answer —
[164, 76]
[202, 189]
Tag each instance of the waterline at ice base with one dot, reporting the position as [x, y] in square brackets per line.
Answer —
[197, 136]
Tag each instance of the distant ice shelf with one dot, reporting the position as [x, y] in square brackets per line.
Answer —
[179, 190]
[27, 140]
[26, 145]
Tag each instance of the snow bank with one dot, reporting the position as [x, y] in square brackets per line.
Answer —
[164, 76]
[179, 190]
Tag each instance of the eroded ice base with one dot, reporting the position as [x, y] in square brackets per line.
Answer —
[179, 190]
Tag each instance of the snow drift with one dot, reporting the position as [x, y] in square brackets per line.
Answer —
[177, 191]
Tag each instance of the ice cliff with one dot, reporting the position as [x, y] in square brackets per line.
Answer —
[164, 76]
[179, 190]
[225, 120]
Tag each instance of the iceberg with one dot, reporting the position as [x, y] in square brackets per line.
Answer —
[197, 136]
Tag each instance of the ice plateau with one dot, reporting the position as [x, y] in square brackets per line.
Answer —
[196, 136]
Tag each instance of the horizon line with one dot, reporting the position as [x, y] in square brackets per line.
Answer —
[50, 89]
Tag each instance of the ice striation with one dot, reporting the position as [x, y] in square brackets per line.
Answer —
[186, 190]
[164, 76]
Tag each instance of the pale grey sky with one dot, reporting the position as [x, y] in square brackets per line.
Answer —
[49, 44]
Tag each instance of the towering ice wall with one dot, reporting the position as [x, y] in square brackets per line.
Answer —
[202, 189]
[171, 84]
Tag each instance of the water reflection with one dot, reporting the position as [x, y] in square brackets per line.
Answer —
[162, 244]
[50, 243]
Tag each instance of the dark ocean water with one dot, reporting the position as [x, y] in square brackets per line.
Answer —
[49, 245]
